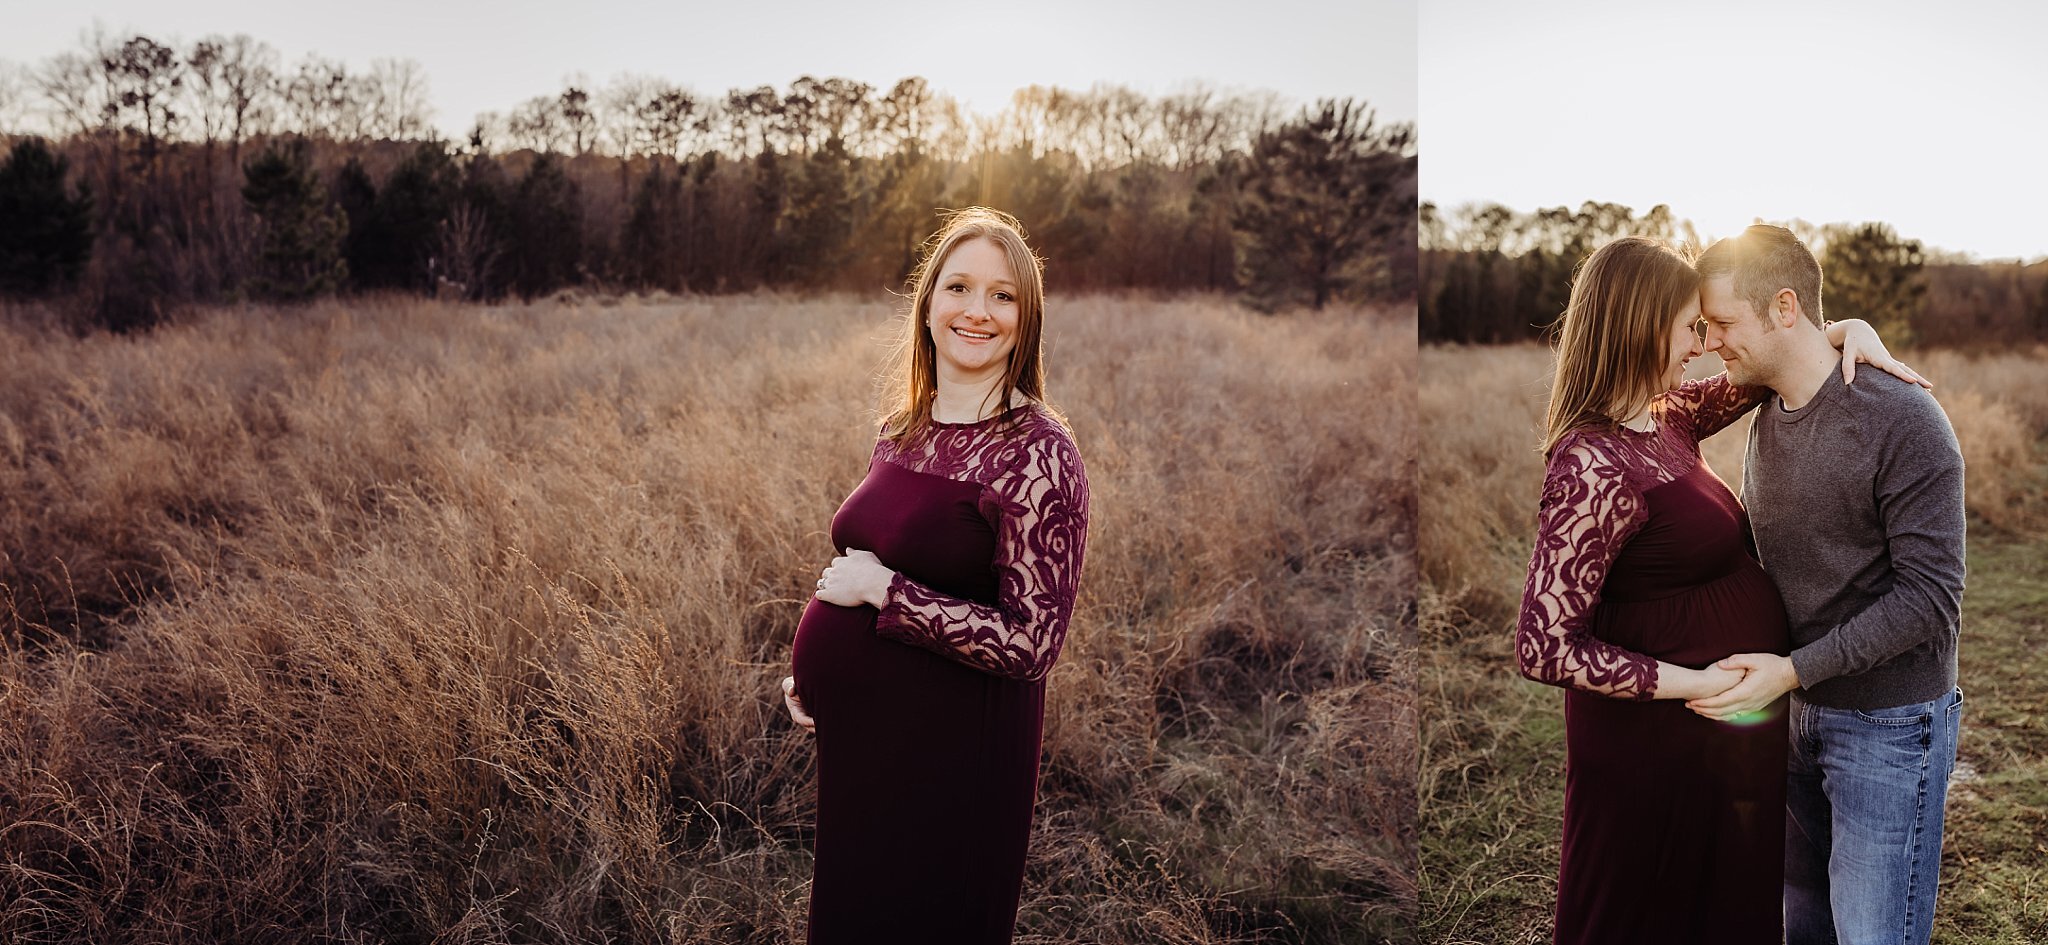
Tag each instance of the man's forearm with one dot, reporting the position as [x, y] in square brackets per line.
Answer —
[1916, 610]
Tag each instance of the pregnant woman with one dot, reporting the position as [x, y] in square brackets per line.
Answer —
[921, 662]
[1642, 578]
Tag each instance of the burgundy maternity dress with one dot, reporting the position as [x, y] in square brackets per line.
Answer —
[1674, 824]
[928, 711]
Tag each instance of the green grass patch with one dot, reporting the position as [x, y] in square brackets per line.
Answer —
[1994, 869]
[1492, 778]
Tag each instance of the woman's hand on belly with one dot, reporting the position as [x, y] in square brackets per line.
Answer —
[1681, 682]
[855, 578]
[796, 706]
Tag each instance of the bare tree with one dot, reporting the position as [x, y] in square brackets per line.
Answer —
[1084, 126]
[952, 130]
[203, 66]
[243, 86]
[463, 254]
[1659, 223]
[359, 108]
[208, 93]
[614, 112]
[1246, 116]
[487, 128]
[577, 117]
[640, 115]
[402, 110]
[80, 94]
[1193, 127]
[14, 88]
[615, 121]
[664, 118]
[799, 116]
[1126, 129]
[1028, 121]
[903, 115]
[749, 115]
[536, 124]
[1045, 119]
[1067, 116]
[843, 109]
[146, 76]
[987, 135]
[70, 83]
[318, 96]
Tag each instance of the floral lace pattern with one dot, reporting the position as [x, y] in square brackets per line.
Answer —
[1035, 489]
[1592, 504]
[1709, 405]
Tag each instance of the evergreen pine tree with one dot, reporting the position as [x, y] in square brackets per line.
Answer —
[47, 234]
[763, 260]
[299, 233]
[356, 195]
[1325, 193]
[908, 185]
[647, 241]
[547, 238]
[481, 261]
[817, 221]
[1868, 272]
[405, 225]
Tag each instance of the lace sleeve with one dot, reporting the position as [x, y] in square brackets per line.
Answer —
[1042, 509]
[1712, 403]
[1587, 514]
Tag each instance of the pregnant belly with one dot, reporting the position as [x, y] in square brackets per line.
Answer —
[1739, 613]
[853, 681]
[833, 646]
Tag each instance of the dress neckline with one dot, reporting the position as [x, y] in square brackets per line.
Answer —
[991, 417]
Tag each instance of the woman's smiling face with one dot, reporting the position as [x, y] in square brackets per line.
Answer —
[973, 311]
[1683, 343]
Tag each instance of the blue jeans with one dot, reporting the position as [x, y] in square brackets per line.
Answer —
[1863, 813]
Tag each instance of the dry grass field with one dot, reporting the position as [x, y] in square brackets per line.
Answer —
[398, 621]
[1492, 777]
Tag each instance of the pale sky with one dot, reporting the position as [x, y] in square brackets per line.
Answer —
[1930, 117]
[490, 56]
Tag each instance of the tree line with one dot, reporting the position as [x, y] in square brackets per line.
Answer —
[1489, 274]
[212, 172]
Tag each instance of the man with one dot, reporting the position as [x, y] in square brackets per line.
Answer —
[1855, 494]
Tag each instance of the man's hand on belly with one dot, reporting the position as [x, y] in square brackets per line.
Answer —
[1766, 677]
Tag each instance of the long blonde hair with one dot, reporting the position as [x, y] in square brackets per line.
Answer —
[1613, 337]
[916, 376]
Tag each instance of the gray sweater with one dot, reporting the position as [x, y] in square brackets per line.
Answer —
[1857, 504]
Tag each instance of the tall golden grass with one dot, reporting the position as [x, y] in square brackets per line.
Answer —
[1482, 410]
[391, 620]
[1490, 780]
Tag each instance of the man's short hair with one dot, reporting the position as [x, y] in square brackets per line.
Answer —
[1764, 259]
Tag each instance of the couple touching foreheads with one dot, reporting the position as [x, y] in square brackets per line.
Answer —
[1702, 802]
